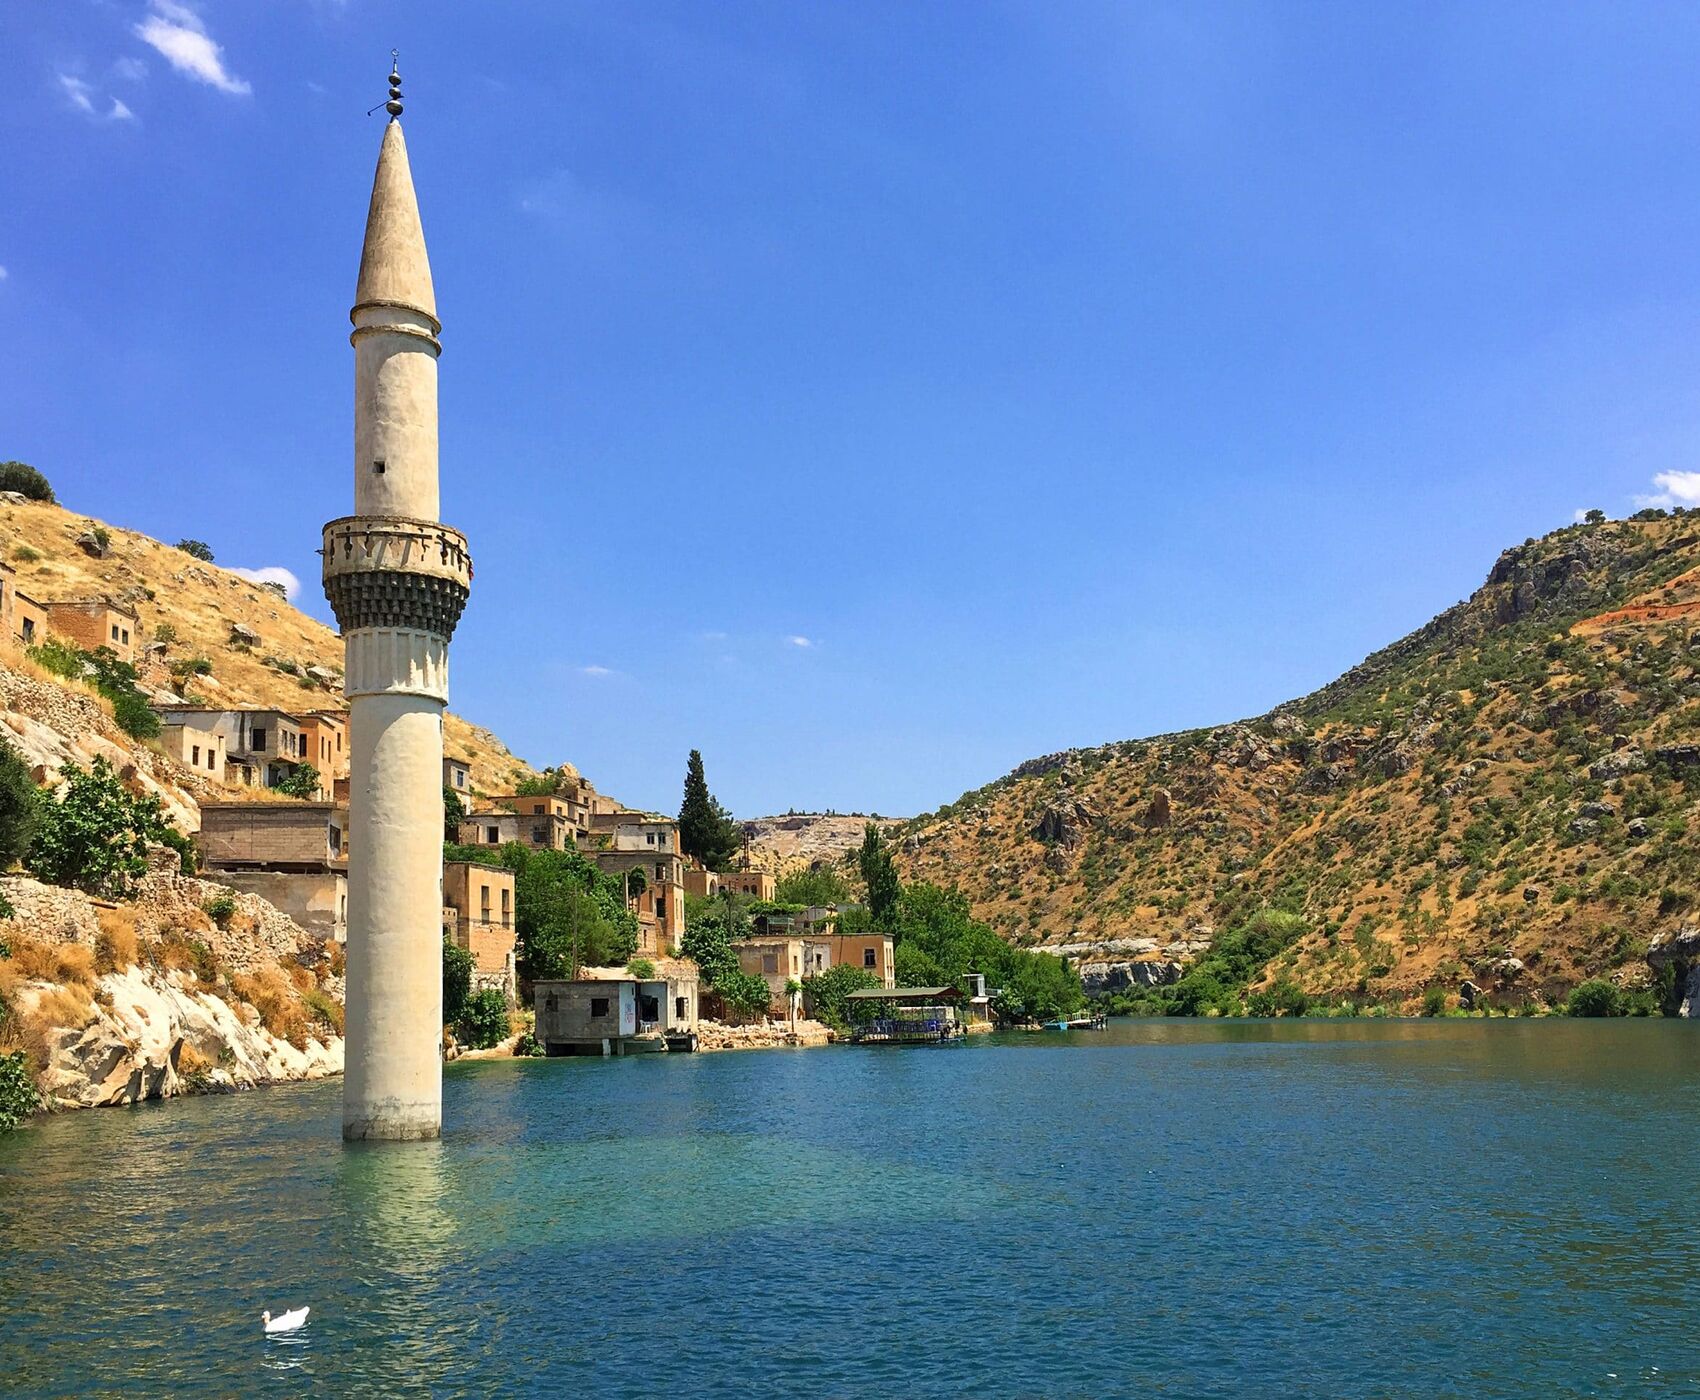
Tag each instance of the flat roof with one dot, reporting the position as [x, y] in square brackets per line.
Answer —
[905, 994]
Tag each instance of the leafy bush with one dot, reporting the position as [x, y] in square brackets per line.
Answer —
[23, 554]
[197, 549]
[26, 481]
[220, 908]
[113, 678]
[20, 806]
[1595, 997]
[302, 783]
[18, 1096]
[826, 994]
[1434, 1001]
[483, 1020]
[95, 837]
[457, 981]
[642, 969]
[165, 633]
[806, 887]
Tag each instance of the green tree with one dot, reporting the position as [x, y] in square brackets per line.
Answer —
[454, 812]
[457, 981]
[567, 912]
[706, 829]
[26, 481]
[20, 806]
[302, 783]
[821, 885]
[708, 941]
[95, 836]
[879, 871]
[1595, 517]
[18, 1096]
[197, 549]
[483, 1020]
[826, 993]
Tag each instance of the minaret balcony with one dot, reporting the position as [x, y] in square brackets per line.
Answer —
[392, 571]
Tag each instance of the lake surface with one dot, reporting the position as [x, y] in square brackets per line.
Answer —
[1170, 1208]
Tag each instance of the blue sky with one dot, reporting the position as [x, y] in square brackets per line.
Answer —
[874, 395]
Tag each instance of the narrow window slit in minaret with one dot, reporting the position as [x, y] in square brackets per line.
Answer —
[378, 468]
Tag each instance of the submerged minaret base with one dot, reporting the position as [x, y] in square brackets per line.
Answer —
[397, 580]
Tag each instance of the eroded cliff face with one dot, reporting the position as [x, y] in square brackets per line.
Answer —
[114, 1003]
[153, 1035]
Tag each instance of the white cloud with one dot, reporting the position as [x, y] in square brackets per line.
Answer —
[79, 92]
[177, 33]
[4, 274]
[82, 96]
[803, 642]
[595, 672]
[272, 573]
[1675, 489]
[131, 69]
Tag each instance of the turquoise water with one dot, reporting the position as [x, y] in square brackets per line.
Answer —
[1170, 1208]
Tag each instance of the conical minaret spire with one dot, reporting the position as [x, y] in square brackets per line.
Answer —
[397, 579]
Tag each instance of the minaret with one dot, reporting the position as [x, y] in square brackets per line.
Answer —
[397, 580]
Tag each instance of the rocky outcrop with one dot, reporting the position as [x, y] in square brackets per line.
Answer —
[1679, 951]
[1064, 820]
[1158, 811]
[151, 1035]
[768, 1035]
[1096, 978]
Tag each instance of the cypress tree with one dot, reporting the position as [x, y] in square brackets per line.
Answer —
[706, 829]
[880, 872]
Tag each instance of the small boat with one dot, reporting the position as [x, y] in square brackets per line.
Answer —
[285, 1322]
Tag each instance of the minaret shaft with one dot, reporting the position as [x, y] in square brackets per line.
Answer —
[397, 580]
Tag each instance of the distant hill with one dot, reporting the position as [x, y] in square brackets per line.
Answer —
[1509, 794]
[201, 606]
[798, 840]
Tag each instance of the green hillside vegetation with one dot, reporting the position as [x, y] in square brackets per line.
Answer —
[1505, 795]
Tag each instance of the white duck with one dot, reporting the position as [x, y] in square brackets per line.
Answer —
[285, 1322]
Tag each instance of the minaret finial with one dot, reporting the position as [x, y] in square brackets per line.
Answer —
[393, 106]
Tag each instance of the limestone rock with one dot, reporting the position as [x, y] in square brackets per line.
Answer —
[1158, 811]
[93, 545]
[1099, 977]
[1678, 755]
[1064, 820]
[1617, 765]
[1679, 949]
[244, 635]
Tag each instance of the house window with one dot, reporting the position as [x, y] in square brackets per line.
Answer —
[125, 638]
[598, 1006]
[259, 742]
[539, 835]
[195, 750]
[551, 1004]
[484, 904]
[335, 836]
[661, 906]
[115, 631]
[460, 778]
[679, 1007]
[505, 896]
[493, 836]
[29, 629]
[212, 761]
[770, 962]
[868, 958]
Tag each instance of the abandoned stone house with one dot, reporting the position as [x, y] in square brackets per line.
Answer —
[292, 854]
[478, 915]
[788, 949]
[615, 1013]
[457, 777]
[542, 824]
[755, 884]
[655, 892]
[261, 747]
[93, 623]
[324, 735]
[199, 749]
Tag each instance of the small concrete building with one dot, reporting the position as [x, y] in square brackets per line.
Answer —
[292, 854]
[95, 622]
[261, 747]
[542, 823]
[700, 881]
[660, 902]
[324, 735]
[614, 1013]
[199, 749]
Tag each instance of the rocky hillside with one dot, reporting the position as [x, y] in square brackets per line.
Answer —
[262, 650]
[1510, 795]
[799, 840]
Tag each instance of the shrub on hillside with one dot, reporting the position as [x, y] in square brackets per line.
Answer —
[457, 981]
[197, 549]
[483, 1021]
[1595, 997]
[20, 806]
[18, 1096]
[26, 481]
